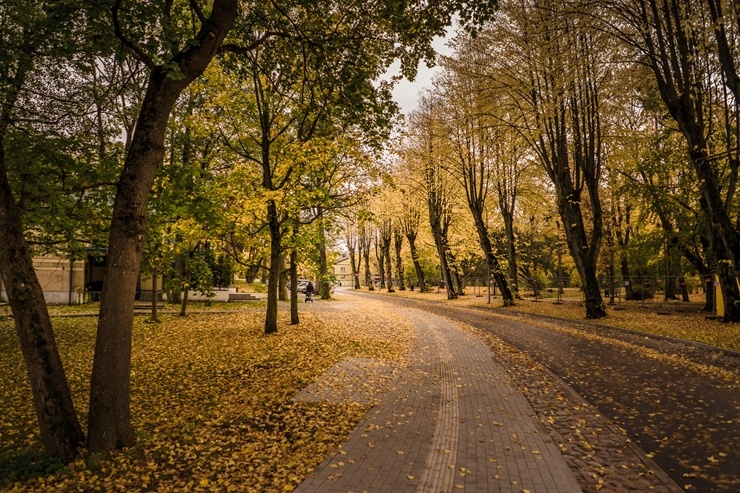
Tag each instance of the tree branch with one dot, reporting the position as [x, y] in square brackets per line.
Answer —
[198, 11]
[138, 52]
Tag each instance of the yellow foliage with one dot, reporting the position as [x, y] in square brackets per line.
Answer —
[211, 400]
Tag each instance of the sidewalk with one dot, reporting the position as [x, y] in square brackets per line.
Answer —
[450, 420]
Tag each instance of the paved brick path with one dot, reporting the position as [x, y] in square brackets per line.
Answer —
[450, 420]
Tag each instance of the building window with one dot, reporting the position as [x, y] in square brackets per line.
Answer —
[341, 269]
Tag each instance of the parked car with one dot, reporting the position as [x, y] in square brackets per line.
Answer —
[301, 285]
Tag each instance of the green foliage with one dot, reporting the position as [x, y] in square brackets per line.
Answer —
[222, 271]
[61, 123]
[327, 282]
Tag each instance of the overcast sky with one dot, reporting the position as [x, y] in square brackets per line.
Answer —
[405, 92]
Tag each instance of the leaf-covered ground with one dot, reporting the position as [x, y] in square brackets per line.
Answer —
[682, 321]
[212, 400]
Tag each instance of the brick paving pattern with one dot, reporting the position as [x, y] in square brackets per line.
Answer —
[451, 419]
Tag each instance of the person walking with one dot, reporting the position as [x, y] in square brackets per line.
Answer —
[309, 292]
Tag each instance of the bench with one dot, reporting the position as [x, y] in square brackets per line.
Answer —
[147, 296]
[147, 306]
[242, 297]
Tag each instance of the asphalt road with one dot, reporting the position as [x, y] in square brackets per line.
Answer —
[678, 403]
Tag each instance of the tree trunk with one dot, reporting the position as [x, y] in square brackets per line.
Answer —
[389, 271]
[184, 301]
[294, 319]
[273, 279]
[324, 282]
[628, 292]
[623, 241]
[109, 421]
[443, 264]
[684, 289]
[368, 275]
[381, 263]
[154, 318]
[611, 279]
[531, 280]
[109, 418]
[495, 268]
[511, 257]
[385, 248]
[175, 295]
[355, 268]
[708, 293]
[594, 303]
[398, 245]
[583, 254]
[420, 281]
[283, 283]
[455, 273]
[61, 433]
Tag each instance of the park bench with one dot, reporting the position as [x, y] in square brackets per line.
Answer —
[147, 296]
[147, 305]
[242, 297]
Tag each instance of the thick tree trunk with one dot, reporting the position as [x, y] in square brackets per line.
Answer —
[61, 433]
[109, 421]
[455, 273]
[594, 303]
[583, 254]
[420, 281]
[273, 279]
[443, 264]
[628, 292]
[109, 418]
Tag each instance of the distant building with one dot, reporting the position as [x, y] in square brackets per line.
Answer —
[343, 271]
[66, 281]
